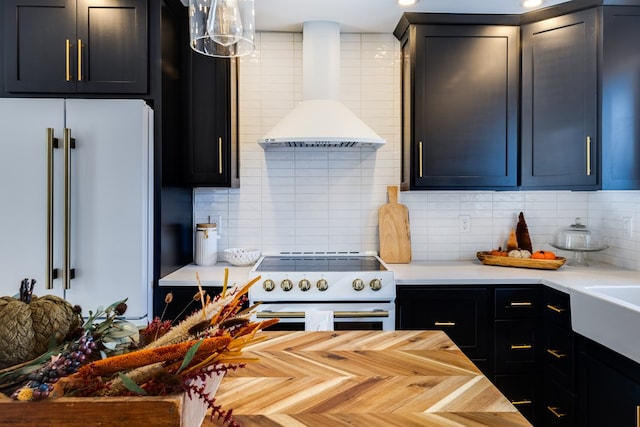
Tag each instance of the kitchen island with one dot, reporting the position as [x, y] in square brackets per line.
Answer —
[362, 378]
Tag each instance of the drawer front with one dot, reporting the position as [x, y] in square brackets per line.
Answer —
[558, 354]
[556, 307]
[515, 303]
[516, 346]
[558, 406]
[521, 392]
[460, 312]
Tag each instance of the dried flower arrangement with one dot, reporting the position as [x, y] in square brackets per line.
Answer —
[104, 359]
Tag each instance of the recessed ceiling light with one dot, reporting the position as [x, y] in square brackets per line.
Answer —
[407, 2]
[531, 3]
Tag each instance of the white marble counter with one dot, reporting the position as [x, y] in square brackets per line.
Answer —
[567, 278]
[209, 275]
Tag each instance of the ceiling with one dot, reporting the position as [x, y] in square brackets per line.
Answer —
[367, 16]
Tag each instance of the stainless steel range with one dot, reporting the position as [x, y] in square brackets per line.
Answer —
[357, 289]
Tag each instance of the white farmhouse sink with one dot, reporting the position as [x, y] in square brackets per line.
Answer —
[625, 295]
[609, 315]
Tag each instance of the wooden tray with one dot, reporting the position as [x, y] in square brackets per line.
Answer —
[504, 261]
[177, 410]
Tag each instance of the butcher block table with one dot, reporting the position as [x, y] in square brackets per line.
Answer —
[362, 378]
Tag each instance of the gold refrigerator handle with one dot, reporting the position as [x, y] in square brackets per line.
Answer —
[67, 54]
[220, 155]
[79, 60]
[66, 270]
[49, 273]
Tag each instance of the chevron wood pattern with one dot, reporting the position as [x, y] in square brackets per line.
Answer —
[362, 378]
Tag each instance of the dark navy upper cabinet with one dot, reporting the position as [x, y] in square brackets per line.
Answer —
[76, 46]
[560, 102]
[581, 100]
[620, 98]
[460, 106]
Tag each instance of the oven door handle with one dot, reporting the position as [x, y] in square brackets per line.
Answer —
[336, 314]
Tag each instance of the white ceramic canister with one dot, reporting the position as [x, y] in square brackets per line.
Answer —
[206, 244]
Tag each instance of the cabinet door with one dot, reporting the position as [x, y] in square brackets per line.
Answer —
[112, 40]
[610, 389]
[208, 154]
[465, 114]
[559, 102]
[460, 312]
[620, 99]
[40, 43]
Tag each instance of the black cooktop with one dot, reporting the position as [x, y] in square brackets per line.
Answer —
[319, 263]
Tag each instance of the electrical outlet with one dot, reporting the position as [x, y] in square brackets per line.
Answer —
[465, 223]
[627, 226]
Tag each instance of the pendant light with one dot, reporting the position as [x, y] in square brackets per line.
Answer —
[222, 28]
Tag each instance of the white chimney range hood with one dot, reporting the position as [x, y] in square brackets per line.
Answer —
[321, 120]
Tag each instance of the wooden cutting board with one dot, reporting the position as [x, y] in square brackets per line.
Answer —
[394, 231]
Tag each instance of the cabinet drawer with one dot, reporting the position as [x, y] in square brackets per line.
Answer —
[521, 392]
[556, 307]
[512, 303]
[558, 406]
[460, 312]
[515, 346]
[558, 354]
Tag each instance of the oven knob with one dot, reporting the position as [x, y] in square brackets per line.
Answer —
[358, 284]
[286, 285]
[304, 285]
[322, 285]
[375, 284]
[268, 285]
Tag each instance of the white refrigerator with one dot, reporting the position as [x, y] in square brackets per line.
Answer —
[76, 187]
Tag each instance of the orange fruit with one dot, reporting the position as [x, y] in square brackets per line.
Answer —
[543, 255]
[538, 255]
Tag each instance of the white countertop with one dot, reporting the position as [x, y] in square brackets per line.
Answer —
[611, 322]
[212, 275]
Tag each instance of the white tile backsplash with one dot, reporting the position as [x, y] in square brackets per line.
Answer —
[328, 199]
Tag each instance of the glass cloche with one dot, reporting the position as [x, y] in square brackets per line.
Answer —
[579, 239]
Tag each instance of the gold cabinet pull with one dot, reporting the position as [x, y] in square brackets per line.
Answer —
[588, 155]
[520, 304]
[555, 308]
[49, 272]
[420, 159]
[554, 411]
[521, 402]
[556, 353]
[220, 155]
[79, 60]
[67, 55]
[437, 323]
[637, 415]
[521, 346]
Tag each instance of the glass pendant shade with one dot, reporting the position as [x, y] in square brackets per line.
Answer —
[222, 28]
